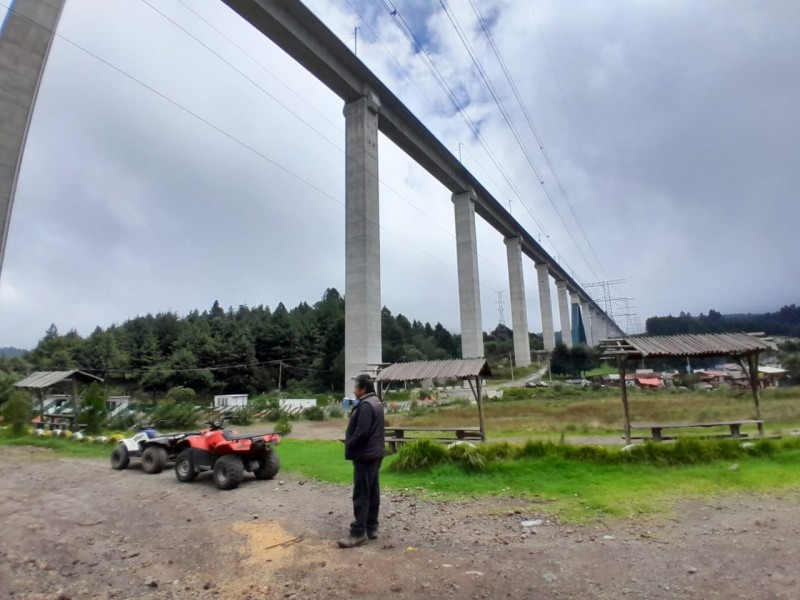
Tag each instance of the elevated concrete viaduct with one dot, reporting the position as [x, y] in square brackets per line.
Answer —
[369, 107]
[304, 37]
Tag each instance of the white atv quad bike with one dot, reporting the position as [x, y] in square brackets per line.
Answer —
[151, 447]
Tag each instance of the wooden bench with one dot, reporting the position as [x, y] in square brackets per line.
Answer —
[396, 435]
[657, 435]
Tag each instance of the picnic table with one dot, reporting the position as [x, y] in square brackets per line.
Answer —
[657, 435]
[398, 434]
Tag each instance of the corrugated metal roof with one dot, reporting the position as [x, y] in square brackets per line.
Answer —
[44, 379]
[707, 344]
[421, 370]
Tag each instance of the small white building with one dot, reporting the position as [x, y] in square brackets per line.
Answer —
[230, 400]
[117, 405]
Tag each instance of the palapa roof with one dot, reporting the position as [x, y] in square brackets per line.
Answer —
[465, 368]
[707, 344]
[45, 379]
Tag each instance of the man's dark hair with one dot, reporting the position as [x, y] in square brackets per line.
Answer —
[365, 382]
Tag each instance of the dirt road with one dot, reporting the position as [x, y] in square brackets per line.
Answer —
[75, 529]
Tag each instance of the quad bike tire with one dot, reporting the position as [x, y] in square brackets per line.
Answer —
[154, 459]
[184, 467]
[269, 464]
[228, 472]
[120, 458]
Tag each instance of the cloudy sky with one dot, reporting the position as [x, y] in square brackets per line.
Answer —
[177, 157]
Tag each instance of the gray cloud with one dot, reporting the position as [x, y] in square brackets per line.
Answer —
[672, 129]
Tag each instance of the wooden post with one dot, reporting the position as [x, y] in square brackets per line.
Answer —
[477, 392]
[752, 367]
[624, 390]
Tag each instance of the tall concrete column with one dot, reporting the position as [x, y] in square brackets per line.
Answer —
[362, 324]
[578, 332]
[586, 313]
[25, 41]
[519, 311]
[548, 333]
[469, 297]
[563, 313]
[596, 326]
[606, 328]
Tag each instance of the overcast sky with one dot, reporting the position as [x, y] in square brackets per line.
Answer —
[177, 157]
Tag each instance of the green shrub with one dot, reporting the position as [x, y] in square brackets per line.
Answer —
[273, 414]
[419, 456]
[498, 451]
[17, 412]
[282, 425]
[314, 413]
[335, 412]
[93, 410]
[170, 415]
[240, 416]
[180, 395]
[121, 422]
[467, 456]
[533, 449]
[264, 402]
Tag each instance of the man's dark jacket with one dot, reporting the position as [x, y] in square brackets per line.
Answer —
[364, 439]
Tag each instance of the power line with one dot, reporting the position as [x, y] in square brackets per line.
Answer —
[420, 51]
[259, 87]
[244, 144]
[499, 103]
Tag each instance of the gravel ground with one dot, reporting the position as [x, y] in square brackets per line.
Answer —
[74, 528]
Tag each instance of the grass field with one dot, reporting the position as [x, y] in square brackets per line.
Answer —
[573, 490]
[543, 412]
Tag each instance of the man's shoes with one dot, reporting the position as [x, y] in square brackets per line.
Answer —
[352, 541]
[373, 535]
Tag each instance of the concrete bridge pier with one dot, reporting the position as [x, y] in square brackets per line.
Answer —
[586, 313]
[519, 312]
[563, 313]
[596, 326]
[469, 293]
[25, 41]
[362, 324]
[546, 307]
[578, 332]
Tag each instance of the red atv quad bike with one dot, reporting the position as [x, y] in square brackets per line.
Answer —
[228, 455]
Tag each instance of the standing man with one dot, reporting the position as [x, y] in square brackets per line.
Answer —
[364, 445]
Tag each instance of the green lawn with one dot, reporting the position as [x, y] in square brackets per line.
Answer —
[570, 489]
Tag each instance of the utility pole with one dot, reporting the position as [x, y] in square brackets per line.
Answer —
[355, 34]
[280, 373]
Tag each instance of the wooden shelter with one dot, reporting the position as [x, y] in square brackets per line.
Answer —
[738, 346]
[466, 369]
[40, 381]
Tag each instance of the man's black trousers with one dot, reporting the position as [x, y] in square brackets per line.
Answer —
[366, 497]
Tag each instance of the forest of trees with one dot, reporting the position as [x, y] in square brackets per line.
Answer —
[784, 322]
[254, 350]
[245, 350]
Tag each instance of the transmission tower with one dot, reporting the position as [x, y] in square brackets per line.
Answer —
[615, 305]
[500, 318]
